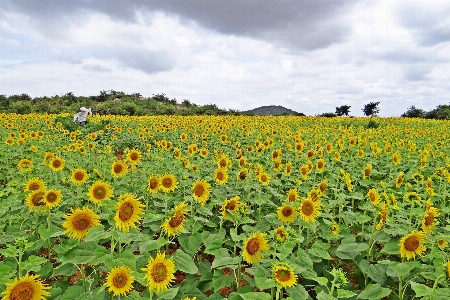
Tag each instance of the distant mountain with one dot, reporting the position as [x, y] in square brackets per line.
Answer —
[272, 110]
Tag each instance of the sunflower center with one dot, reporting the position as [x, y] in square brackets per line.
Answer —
[263, 178]
[412, 243]
[153, 183]
[320, 165]
[99, 192]
[372, 197]
[176, 219]
[252, 246]
[126, 211]
[287, 211]
[429, 219]
[37, 199]
[159, 272]
[120, 280]
[367, 172]
[283, 275]
[230, 205]
[199, 190]
[291, 197]
[167, 182]
[242, 175]
[220, 175]
[23, 291]
[34, 186]
[56, 163]
[134, 156]
[307, 209]
[51, 197]
[223, 163]
[288, 169]
[118, 168]
[323, 187]
[81, 222]
[79, 176]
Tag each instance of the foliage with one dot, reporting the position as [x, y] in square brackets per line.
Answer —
[371, 109]
[413, 112]
[343, 110]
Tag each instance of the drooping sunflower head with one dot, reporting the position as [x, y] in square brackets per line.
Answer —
[25, 165]
[57, 164]
[253, 247]
[284, 275]
[52, 198]
[128, 211]
[29, 287]
[373, 196]
[412, 244]
[230, 205]
[100, 191]
[309, 210]
[78, 223]
[221, 175]
[201, 191]
[159, 273]
[242, 175]
[168, 183]
[281, 234]
[79, 176]
[287, 214]
[34, 184]
[134, 156]
[119, 168]
[175, 224]
[35, 200]
[292, 195]
[153, 184]
[119, 280]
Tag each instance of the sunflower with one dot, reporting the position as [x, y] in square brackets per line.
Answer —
[284, 275]
[411, 196]
[337, 156]
[320, 165]
[35, 199]
[168, 183]
[335, 228]
[154, 184]
[230, 205]
[383, 215]
[281, 234]
[242, 175]
[175, 224]
[292, 195]
[28, 288]
[34, 184]
[428, 219]
[25, 165]
[304, 171]
[221, 175]
[447, 270]
[264, 178]
[9, 141]
[79, 176]
[309, 210]
[288, 169]
[78, 223]
[57, 163]
[373, 196]
[253, 247]
[322, 186]
[242, 162]
[224, 162]
[119, 169]
[201, 191]
[134, 156]
[159, 273]
[52, 198]
[100, 191]
[127, 212]
[314, 195]
[396, 158]
[176, 153]
[399, 180]
[367, 171]
[119, 280]
[442, 244]
[186, 163]
[276, 154]
[412, 244]
[287, 214]
[204, 152]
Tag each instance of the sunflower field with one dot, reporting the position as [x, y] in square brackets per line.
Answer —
[235, 207]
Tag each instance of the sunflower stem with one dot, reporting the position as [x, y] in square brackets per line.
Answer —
[151, 295]
[436, 282]
[112, 244]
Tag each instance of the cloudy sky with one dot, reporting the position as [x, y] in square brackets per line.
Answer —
[306, 55]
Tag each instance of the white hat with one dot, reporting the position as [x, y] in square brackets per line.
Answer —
[83, 108]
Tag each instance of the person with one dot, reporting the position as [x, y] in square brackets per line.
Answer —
[81, 116]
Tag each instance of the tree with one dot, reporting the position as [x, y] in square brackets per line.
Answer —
[413, 112]
[371, 109]
[342, 110]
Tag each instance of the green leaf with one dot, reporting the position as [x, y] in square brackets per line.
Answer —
[184, 262]
[297, 292]
[391, 247]
[376, 272]
[404, 268]
[221, 280]
[353, 247]
[9, 252]
[190, 243]
[33, 263]
[48, 233]
[256, 296]
[321, 280]
[374, 291]
[344, 293]
[169, 294]
[97, 233]
[421, 290]
[229, 261]
[151, 245]
[261, 280]
[65, 270]
[72, 292]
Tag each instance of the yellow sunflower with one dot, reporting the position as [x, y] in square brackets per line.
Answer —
[153, 184]
[79, 176]
[322, 186]
[224, 162]
[119, 168]
[242, 162]
[304, 171]
[78, 223]
[284, 275]
[242, 175]
[100, 191]
[367, 171]
[281, 234]
[134, 156]
[57, 164]
[314, 195]
[287, 214]
[128, 210]
[383, 215]
[309, 210]
[396, 158]
[221, 175]
[168, 183]
[373, 196]
[175, 224]
[428, 219]
[399, 180]
[320, 165]
[264, 178]
[230, 205]
[253, 247]
[412, 244]
[25, 165]
[335, 229]
[159, 273]
[52, 198]
[292, 195]
[34, 184]
[119, 281]
[29, 287]
[176, 153]
[442, 244]
[288, 169]
[201, 191]
[35, 199]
